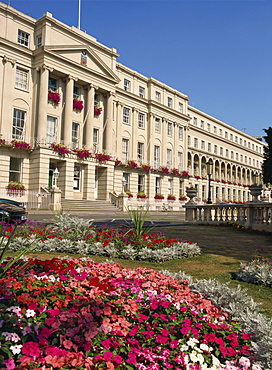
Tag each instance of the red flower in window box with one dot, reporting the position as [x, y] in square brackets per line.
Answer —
[102, 157]
[61, 149]
[77, 104]
[82, 153]
[54, 96]
[185, 174]
[128, 192]
[97, 110]
[175, 171]
[19, 144]
[117, 162]
[132, 164]
[158, 196]
[171, 197]
[164, 169]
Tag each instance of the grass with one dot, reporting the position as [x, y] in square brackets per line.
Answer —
[223, 249]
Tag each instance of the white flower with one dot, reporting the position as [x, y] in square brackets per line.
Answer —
[11, 336]
[184, 347]
[204, 347]
[16, 349]
[30, 313]
[215, 361]
[192, 342]
[193, 356]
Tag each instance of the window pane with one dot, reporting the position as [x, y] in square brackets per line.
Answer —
[21, 80]
[15, 167]
[18, 126]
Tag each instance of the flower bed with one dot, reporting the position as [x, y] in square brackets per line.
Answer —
[77, 314]
[74, 235]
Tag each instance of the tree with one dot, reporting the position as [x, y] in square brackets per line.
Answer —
[267, 163]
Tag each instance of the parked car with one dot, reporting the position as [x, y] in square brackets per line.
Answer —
[11, 212]
[18, 204]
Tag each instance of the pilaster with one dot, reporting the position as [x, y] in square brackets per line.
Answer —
[68, 109]
[89, 118]
[108, 131]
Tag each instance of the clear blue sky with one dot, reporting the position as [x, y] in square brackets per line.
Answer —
[217, 52]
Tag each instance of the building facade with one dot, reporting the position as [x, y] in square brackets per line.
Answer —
[67, 104]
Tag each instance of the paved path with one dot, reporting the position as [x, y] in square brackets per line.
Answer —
[114, 218]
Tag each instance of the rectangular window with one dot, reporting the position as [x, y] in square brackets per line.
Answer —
[180, 107]
[141, 92]
[237, 156]
[245, 159]
[95, 139]
[125, 143]
[76, 93]
[51, 130]
[241, 158]
[126, 115]
[227, 153]
[244, 142]
[52, 84]
[140, 152]
[96, 99]
[209, 147]
[215, 130]
[231, 155]
[231, 137]
[21, 79]
[170, 186]
[38, 41]
[15, 169]
[195, 121]
[126, 180]
[208, 127]
[226, 135]
[170, 102]
[141, 120]
[202, 124]
[157, 185]
[169, 129]
[180, 133]
[18, 125]
[126, 85]
[236, 139]
[220, 132]
[202, 144]
[180, 161]
[23, 38]
[215, 149]
[156, 156]
[157, 125]
[158, 96]
[168, 157]
[141, 183]
[195, 142]
[75, 134]
[221, 150]
[189, 140]
[77, 171]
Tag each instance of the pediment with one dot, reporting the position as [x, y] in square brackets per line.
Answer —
[87, 58]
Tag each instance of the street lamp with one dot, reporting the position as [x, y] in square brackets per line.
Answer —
[209, 165]
[55, 177]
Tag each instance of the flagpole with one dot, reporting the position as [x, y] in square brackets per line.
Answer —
[79, 3]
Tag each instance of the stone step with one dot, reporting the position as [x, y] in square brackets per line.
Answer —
[82, 205]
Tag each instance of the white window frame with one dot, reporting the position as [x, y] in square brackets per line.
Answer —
[23, 38]
[180, 133]
[141, 120]
[126, 115]
[15, 169]
[157, 185]
[195, 142]
[168, 157]
[181, 107]
[38, 41]
[95, 139]
[21, 79]
[141, 92]
[51, 130]
[156, 156]
[77, 177]
[75, 134]
[180, 160]
[170, 102]
[170, 186]
[18, 124]
[157, 125]
[126, 85]
[169, 129]
[125, 149]
[76, 92]
[158, 96]
[141, 183]
[140, 152]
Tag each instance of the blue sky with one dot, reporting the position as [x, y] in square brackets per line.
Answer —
[217, 52]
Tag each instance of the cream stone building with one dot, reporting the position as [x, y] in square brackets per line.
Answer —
[62, 91]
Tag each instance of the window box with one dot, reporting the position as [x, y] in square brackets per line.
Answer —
[131, 163]
[82, 153]
[54, 96]
[182, 198]
[185, 174]
[117, 162]
[171, 197]
[175, 171]
[97, 110]
[141, 195]
[18, 144]
[164, 169]
[61, 149]
[15, 188]
[158, 196]
[102, 157]
[128, 192]
[2, 141]
[145, 167]
[77, 104]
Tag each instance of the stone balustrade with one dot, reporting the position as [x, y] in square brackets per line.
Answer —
[253, 215]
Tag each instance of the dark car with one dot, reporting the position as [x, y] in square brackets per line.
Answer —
[10, 212]
[9, 201]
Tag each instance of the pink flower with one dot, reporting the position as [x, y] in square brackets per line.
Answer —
[10, 365]
[107, 356]
[31, 349]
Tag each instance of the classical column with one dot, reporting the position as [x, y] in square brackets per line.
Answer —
[89, 117]
[150, 127]
[6, 95]
[42, 107]
[108, 134]
[134, 125]
[68, 110]
[118, 136]
[175, 146]
[164, 128]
